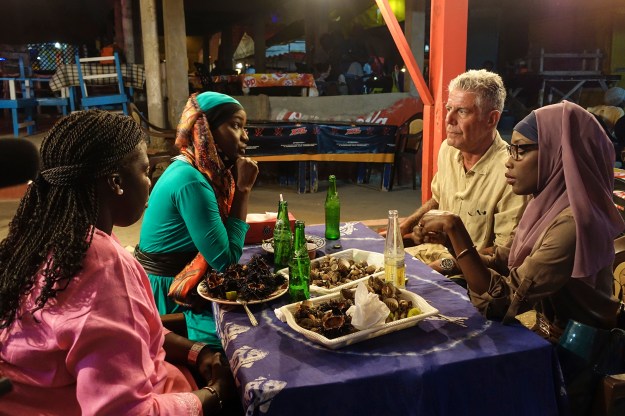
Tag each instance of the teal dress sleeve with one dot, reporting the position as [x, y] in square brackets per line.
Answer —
[220, 244]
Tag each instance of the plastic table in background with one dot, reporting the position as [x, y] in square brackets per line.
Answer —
[67, 75]
[434, 368]
[287, 80]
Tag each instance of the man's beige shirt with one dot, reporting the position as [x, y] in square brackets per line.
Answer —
[481, 196]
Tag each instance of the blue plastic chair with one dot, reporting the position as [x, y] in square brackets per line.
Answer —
[65, 101]
[99, 73]
[20, 97]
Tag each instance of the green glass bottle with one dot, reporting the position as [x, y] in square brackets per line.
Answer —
[333, 211]
[299, 266]
[282, 237]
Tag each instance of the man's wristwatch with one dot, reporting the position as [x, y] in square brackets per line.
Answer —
[447, 265]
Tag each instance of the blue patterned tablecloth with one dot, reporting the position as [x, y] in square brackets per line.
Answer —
[434, 368]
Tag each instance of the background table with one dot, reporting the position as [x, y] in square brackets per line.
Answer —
[434, 368]
[67, 75]
[556, 88]
[305, 81]
[309, 143]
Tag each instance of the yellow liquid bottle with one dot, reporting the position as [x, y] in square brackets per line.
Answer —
[394, 256]
[395, 272]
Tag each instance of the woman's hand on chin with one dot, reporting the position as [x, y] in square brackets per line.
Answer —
[246, 171]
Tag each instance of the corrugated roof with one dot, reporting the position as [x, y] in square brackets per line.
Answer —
[298, 46]
[246, 48]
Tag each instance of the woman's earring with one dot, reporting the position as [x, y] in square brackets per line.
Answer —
[120, 191]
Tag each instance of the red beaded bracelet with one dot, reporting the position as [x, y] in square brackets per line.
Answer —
[194, 352]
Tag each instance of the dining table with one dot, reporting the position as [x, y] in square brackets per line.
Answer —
[67, 75]
[437, 367]
[281, 80]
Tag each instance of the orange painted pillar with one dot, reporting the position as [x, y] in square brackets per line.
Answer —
[448, 57]
[448, 46]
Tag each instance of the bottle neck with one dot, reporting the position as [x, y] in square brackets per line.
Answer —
[394, 242]
[332, 190]
[283, 211]
[300, 239]
[392, 220]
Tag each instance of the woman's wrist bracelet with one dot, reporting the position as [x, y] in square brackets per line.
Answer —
[214, 392]
[194, 352]
[465, 251]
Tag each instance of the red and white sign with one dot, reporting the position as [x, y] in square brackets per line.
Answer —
[395, 115]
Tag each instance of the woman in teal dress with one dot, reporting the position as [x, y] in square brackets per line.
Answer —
[196, 211]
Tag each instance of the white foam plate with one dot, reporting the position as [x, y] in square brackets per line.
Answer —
[371, 257]
[359, 336]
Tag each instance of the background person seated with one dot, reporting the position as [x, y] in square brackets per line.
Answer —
[353, 78]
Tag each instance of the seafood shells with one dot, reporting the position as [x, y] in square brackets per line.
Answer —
[330, 319]
[252, 281]
[330, 272]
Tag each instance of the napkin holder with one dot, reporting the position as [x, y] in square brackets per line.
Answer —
[261, 226]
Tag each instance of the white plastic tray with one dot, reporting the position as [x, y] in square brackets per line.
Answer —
[418, 301]
[371, 257]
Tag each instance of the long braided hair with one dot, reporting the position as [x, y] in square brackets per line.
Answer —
[54, 223]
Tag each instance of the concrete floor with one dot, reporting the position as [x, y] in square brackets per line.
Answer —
[358, 203]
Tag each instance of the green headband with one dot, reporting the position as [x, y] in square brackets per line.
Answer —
[210, 99]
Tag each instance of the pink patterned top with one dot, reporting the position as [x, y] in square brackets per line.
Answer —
[97, 348]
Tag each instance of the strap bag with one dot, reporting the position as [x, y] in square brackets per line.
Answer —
[183, 289]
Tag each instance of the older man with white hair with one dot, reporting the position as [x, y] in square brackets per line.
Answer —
[470, 181]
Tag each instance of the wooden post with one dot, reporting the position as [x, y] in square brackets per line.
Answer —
[448, 56]
[448, 45]
[153, 85]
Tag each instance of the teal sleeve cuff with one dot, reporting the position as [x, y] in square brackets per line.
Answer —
[237, 229]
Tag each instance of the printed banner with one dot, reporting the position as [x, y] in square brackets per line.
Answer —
[278, 80]
[280, 139]
[356, 139]
[393, 115]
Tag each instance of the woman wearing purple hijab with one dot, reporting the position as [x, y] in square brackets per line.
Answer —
[560, 261]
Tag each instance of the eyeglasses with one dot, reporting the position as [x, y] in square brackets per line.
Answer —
[513, 150]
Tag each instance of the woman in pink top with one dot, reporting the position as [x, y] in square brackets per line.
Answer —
[79, 330]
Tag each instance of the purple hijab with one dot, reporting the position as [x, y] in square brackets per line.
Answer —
[574, 154]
